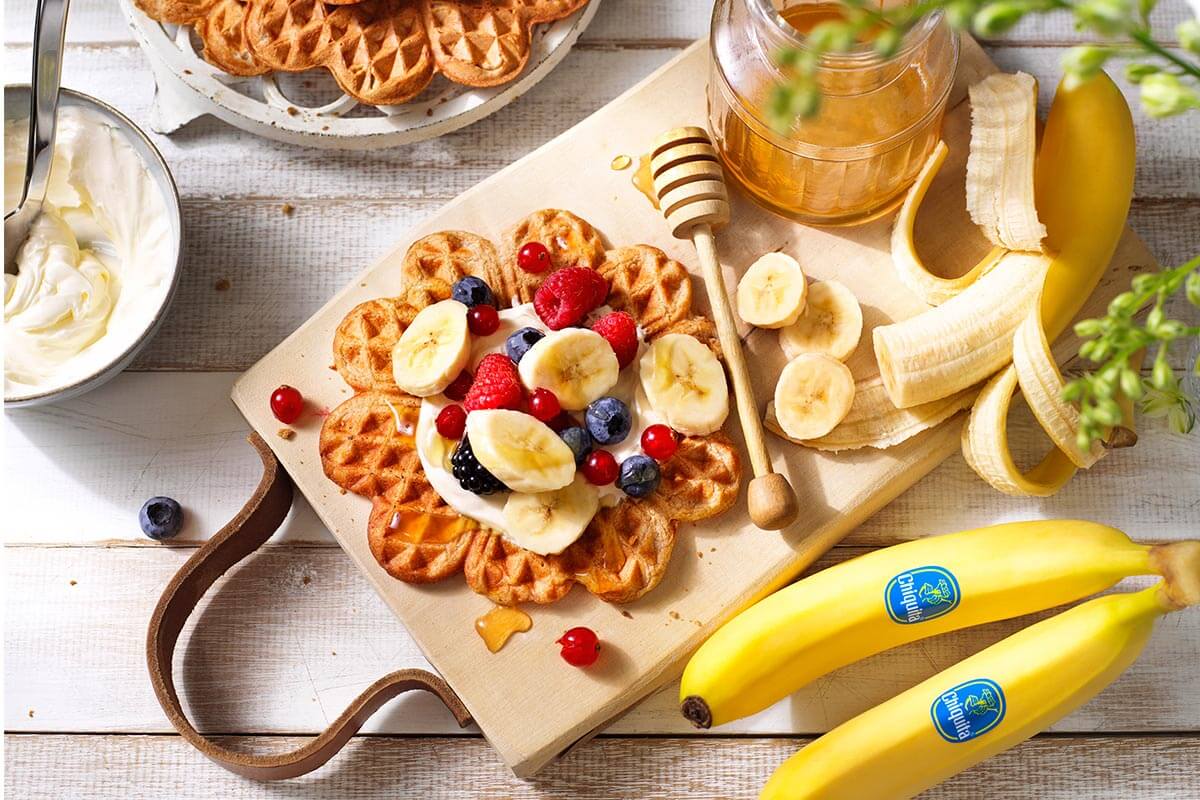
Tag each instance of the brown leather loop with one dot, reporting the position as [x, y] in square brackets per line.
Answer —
[245, 533]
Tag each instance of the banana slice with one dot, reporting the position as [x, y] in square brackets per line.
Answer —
[548, 522]
[576, 364]
[1001, 160]
[814, 393]
[433, 350]
[685, 384]
[772, 292]
[831, 323]
[520, 451]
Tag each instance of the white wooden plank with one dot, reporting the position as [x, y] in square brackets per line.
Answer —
[281, 269]
[295, 633]
[379, 768]
[94, 461]
[618, 22]
[199, 155]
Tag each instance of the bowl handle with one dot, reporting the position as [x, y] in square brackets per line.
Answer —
[245, 533]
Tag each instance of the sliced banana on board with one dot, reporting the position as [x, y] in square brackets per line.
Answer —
[814, 393]
[522, 452]
[1001, 160]
[433, 350]
[576, 364]
[548, 522]
[772, 292]
[685, 384]
[831, 323]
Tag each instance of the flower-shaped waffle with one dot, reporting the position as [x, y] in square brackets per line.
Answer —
[367, 443]
[381, 52]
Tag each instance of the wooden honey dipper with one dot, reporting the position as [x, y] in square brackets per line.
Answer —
[691, 195]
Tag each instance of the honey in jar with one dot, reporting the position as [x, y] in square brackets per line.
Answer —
[879, 117]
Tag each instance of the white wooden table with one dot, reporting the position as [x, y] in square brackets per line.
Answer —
[289, 637]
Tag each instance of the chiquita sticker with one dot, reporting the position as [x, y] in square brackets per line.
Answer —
[921, 594]
[969, 710]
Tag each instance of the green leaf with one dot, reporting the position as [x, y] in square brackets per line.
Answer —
[1164, 95]
[1144, 9]
[1192, 288]
[997, 18]
[1188, 34]
[1087, 328]
[1131, 384]
[1162, 377]
[1081, 63]
[1106, 17]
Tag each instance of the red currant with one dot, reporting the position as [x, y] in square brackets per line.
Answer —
[659, 442]
[533, 257]
[600, 468]
[580, 646]
[286, 404]
[458, 388]
[544, 405]
[483, 320]
[451, 422]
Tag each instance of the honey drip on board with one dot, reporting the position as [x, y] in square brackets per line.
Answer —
[498, 625]
[620, 162]
[643, 179]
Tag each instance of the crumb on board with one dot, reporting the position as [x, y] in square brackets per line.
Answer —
[287, 434]
[288, 209]
[74, 582]
[674, 615]
[306, 580]
[31, 713]
[626, 614]
[222, 284]
[699, 554]
[292, 111]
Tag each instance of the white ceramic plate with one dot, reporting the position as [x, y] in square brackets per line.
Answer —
[307, 108]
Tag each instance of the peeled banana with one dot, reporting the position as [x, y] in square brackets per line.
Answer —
[772, 292]
[985, 704]
[1001, 161]
[904, 593]
[433, 350]
[831, 323]
[963, 341]
[685, 384]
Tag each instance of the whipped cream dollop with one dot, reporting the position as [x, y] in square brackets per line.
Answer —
[435, 451]
[98, 261]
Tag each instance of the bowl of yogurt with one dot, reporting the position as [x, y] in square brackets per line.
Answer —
[100, 266]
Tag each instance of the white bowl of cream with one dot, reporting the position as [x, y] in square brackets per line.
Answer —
[99, 269]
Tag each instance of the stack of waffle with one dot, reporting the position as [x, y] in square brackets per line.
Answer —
[366, 448]
[381, 52]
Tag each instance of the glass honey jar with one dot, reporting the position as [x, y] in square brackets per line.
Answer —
[879, 117]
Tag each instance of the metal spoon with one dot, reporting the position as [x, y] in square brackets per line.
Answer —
[48, 32]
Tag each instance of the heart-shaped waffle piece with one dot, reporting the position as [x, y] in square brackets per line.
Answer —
[507, 574]
[450, 256]
[642, 280]
[624, 552]
[414, 535]
[571, 241]
[701, 479]
[220, 25]
[366, 443]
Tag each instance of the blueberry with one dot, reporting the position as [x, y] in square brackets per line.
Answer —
[639, 476]
[518, 344]
[161, 518]
[608, 420]
[472, 291]
[579, 440]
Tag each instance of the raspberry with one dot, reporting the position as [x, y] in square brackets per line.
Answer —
[567, 295]
[497, 384]
[620, 330]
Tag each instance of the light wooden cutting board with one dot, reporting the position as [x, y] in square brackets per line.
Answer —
[529, 703]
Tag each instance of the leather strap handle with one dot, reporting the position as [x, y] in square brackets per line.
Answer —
[245, 533]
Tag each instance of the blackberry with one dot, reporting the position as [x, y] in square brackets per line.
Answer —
[470, 473]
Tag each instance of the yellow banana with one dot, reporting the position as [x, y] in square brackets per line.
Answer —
[901, 594]
[987, 703]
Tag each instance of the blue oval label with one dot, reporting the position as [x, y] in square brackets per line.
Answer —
[968, 710]
[921, 594]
